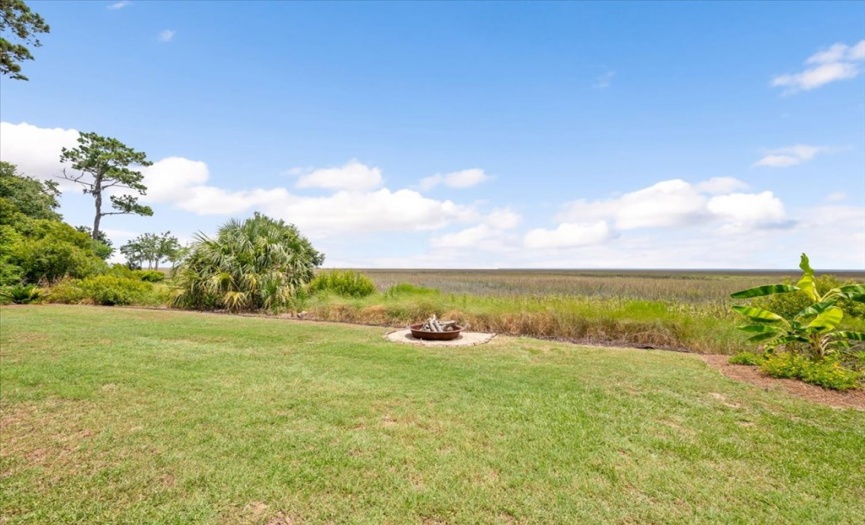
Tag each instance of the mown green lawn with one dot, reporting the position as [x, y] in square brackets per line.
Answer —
[135, 416]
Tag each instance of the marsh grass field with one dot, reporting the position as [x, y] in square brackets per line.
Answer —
[685, 310]
[114, 415]
[685, 286]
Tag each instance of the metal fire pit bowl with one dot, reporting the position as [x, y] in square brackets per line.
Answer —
[449, 335]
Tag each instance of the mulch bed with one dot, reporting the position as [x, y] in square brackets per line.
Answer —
[750, 374]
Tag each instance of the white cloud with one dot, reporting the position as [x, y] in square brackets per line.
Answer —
[182, 183]
[838, 62]
[466, 238]
[791, 156]
[353, 176]
[35, 150]
[569, 234]
[665, 204]
[835, 53]
[457, 179]
[816, 77]
[709, 224]
[503, 219]
[836, 196]
[676, 204]
[491, 234]
[172, 178]
[857, 52]
[210, 200]
[119, 5]
[380, 211]
[745, 211]
[166, 35]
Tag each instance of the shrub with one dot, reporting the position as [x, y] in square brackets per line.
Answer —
[49, 259]
[109, 290]
[67, 291]
[260, 263]
[787, 305]
[347, 283]
[159, 295]
[746, 358]
[44, 250]
[828, 373]
[150, 276]
[21, 294]
[121, 270]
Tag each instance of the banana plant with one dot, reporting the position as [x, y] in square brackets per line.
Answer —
[815, 327]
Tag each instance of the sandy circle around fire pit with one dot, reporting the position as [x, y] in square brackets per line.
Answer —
[465, 339]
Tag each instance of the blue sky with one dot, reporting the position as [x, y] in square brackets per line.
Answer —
[479, 135]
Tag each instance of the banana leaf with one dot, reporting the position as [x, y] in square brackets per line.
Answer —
[828, 320]
[758, 338]
[807, 283]
[768, 289]
[817, 308]
[758, 328]
[758, 314]
[853, 336]
[855, 292]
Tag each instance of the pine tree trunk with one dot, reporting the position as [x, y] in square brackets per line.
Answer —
[97, 193]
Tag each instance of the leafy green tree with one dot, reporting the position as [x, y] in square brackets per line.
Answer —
[151, 248]
[260, 263]
[24, 24]
[134, 253]
[103, 163]
[31, 197]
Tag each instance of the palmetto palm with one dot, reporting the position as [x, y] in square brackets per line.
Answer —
[259, 263]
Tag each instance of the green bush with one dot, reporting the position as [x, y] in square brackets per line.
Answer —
[121, 270]
[21, 294]
[108, 290]
[47, 251]
[746, 358]
[828, 373]
[150, 276]
[410, 289]
[347, 283]
[67, 291]
[787, 305]
[159, 295]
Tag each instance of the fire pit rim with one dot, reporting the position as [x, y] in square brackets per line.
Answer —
[449, 335]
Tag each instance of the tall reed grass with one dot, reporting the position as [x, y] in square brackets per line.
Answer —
[687, 311]
[614, 321]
